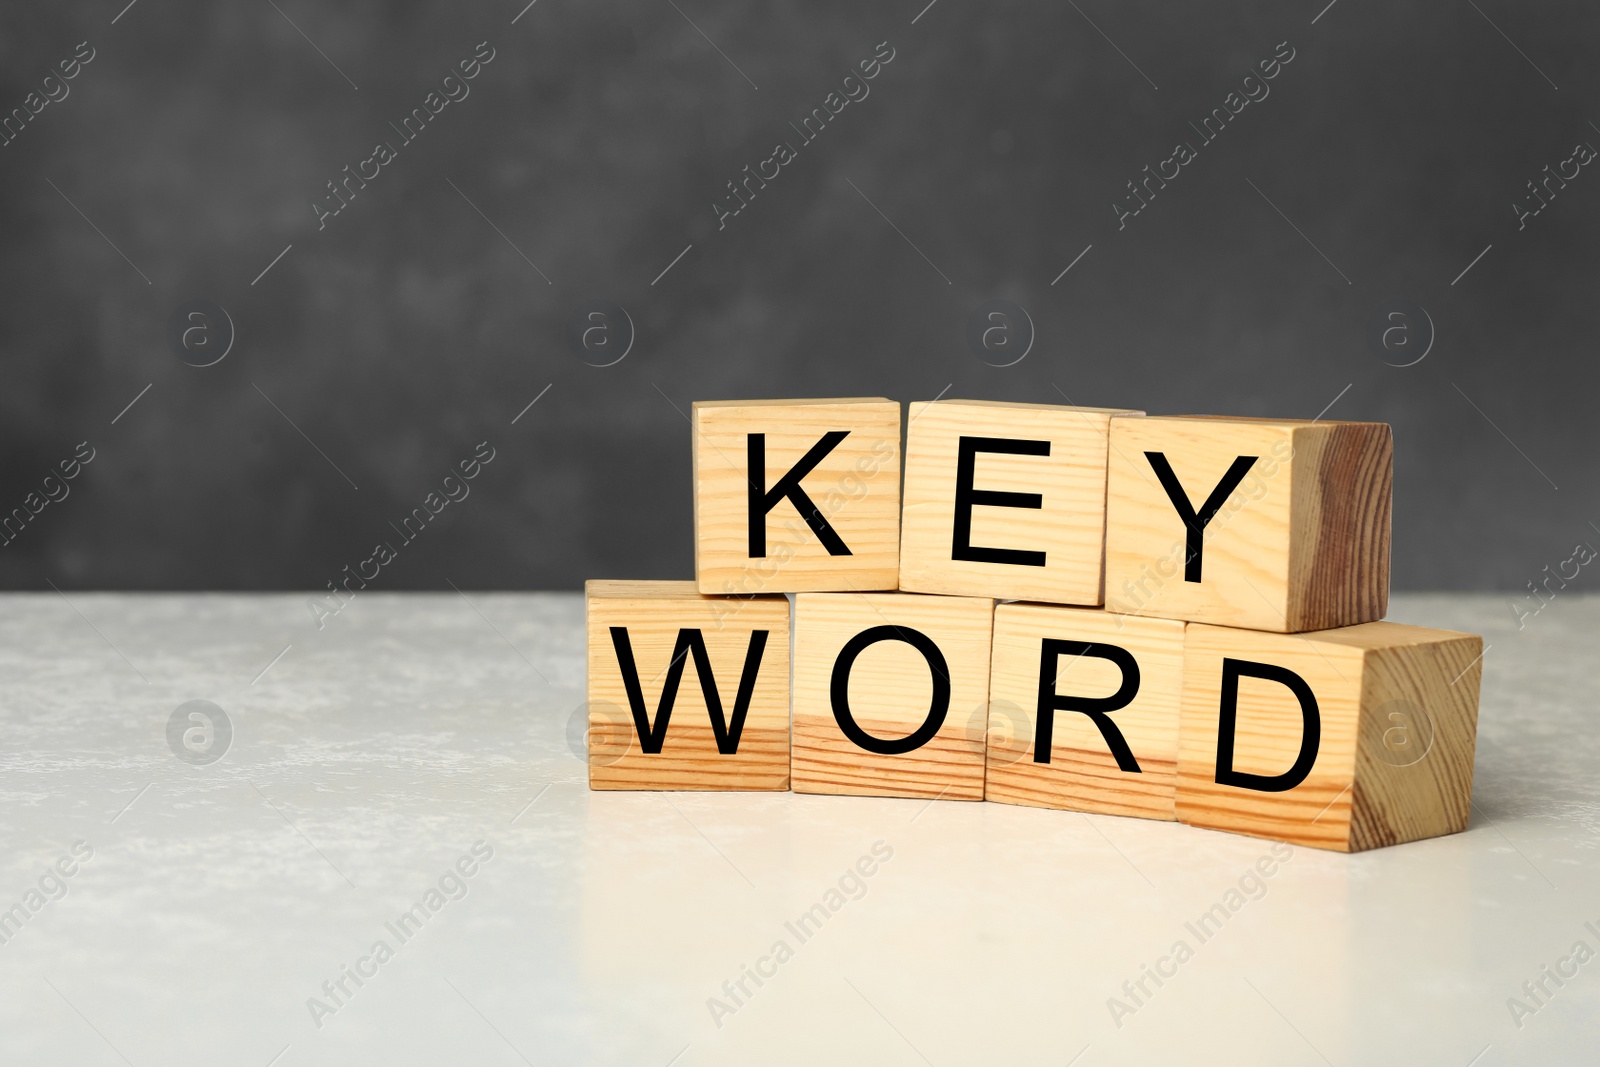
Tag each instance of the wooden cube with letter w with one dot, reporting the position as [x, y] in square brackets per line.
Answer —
[686, 691]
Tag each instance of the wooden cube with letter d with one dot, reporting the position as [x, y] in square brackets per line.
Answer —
[686, 691]
[1344, 739]
[796, 495]
[1083, 710]
[1005, 500]
[1269, 524]
[890, 694]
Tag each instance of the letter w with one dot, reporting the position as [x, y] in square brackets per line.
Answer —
[651, 735]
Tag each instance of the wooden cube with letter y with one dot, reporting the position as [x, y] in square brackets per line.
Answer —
[1083, 710]
[890, 694]
[796, 495]
[1344, 739]
[1268, 524]
[1005, 500]
[686, 691]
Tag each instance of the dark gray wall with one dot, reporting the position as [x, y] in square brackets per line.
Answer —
[383, 347]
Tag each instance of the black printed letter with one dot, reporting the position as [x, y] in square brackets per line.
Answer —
[840, 689]
[961, 546]
[1310, 737]
[1195, 521]
[1097, 708]
[763, 500]
[689, 641]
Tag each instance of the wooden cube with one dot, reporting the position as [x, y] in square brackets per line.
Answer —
[1005, 500]
[1268, 524]
[890, 694]
[686, 691]
[1344, 739]
[1083, 710]
[796, 495]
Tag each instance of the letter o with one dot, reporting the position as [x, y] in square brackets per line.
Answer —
[839, 690]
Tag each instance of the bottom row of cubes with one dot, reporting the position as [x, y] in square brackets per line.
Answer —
[1344, 739]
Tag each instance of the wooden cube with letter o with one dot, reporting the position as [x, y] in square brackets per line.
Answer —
[890, 694]
[686, 691]
[796, 495]
[1268, 524]
[1344, 739]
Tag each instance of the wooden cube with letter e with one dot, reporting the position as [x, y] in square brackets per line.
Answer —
[686, 691]
[1344, 739]
[1267, 524]
[1005, 500]
[890, 694]
[1083, 710]
[796, 495]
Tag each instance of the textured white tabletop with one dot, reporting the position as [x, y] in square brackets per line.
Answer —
[421, 737]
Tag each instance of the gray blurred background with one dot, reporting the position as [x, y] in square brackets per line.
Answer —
[1379, 176]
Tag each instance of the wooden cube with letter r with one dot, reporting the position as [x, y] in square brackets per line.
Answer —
[890, 694]
[1267, 524]
[796, 495]
[1083, 710]
[1005, 500]
[686, 691]
[1344, 739]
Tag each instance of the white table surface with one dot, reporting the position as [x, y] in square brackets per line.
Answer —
[375, 753]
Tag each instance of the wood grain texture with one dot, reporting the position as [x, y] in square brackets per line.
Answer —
[1068, 527]
[1398, 712]
[1083, 774]
[890, 692]
[855, 487]
[1301, 543]
[653, 613]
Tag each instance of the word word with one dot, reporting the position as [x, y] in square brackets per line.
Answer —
[384, 553]
[12, 126]
[1210, 128]
[1582, 154]
[810, 128]
[52, 887]
[1559, 974]
[454, 90]
[851, 886]
[1582, 554]
[452, 887]
[55, 490]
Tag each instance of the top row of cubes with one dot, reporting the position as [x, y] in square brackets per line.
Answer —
[1265, 524]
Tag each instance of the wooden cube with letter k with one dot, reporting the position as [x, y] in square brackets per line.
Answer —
[1268, 524]
[1344, 739]
[796, 495]
[686, 691]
